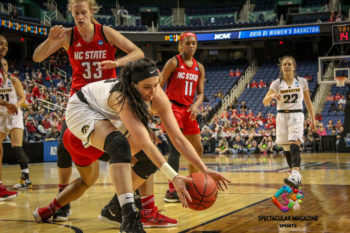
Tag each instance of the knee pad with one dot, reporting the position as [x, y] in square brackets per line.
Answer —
[118, 148]
[144, 166]
[295, 155]
[104, 157]
[64, 160]
[20, 156]
[288, 158]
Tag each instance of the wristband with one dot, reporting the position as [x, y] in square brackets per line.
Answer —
[168, 171]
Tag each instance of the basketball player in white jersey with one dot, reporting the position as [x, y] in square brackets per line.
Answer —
[11, 122]
[290, 91]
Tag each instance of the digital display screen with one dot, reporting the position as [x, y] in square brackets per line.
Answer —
[252, 34]
[23, 27]
[290, 31]
[340, 34]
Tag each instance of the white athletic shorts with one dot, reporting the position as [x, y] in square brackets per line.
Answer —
[81, 120]
[9, 122]
[289, 127]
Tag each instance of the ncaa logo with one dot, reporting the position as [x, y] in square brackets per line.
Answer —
[85, 129]
[100, 42]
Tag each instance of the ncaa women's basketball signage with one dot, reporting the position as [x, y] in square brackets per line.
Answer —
[50, 151]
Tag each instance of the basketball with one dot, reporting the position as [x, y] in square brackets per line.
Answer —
[203, 191]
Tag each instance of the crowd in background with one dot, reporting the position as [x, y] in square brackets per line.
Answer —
[236, 130]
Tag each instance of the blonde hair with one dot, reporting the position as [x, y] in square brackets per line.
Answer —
[93, 6]
[293, 61]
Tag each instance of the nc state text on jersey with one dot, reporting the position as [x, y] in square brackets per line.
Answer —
[188, 76]
[90, 55]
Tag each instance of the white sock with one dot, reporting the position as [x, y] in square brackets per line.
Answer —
[126, 198]
[25, 170]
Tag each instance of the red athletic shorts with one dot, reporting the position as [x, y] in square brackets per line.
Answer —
[188, 126]
[81, 156]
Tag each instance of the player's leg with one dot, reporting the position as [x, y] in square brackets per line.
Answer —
[106, 138]
[295, 135]
[4, 193]
[196, 142]
[192, 132]
[142, 170]
[17, 149]
[88, 175]
[151, 217]
[64, 168]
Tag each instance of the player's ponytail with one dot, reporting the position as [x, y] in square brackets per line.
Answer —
[130, 75]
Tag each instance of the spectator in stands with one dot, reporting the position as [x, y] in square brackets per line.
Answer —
[254, 84]
[53, 135]
[262, 84]
[329, 97]
[342, 100]
[36, 91]
[330, 125]
[222, 147]
[308, 77]
[310, 141]
[318, 117]
[332, 108]
[251, 145]
[122, 14]
[237, 145]
[14, 14]
[332, 17]
[243, 106]
[265, 145]
[339, 16]
[337, 96]
[340, 108]
[231, 74]
[338, 125]
[321, 130]
[238, 73]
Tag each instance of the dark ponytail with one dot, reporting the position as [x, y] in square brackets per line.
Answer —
[129, 92]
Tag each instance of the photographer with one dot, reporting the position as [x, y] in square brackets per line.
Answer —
[250, 145]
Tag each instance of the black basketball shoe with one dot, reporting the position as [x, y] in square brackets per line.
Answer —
[131, 219]
[62, 214]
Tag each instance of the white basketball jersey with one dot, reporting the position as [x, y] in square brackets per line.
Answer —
[8, 94]
[97, 94]
[291, 96]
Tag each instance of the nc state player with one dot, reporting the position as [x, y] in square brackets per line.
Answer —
[91, 49]
[184, 76]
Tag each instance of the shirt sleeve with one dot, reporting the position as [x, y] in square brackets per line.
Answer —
[274, 85]
[304, 84]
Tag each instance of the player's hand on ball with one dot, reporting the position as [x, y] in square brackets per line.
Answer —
[219, 179]
[179, 183]
[11, 109]
[105, 65]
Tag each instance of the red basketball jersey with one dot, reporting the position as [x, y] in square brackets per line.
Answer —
[182, 85]
[85, 58]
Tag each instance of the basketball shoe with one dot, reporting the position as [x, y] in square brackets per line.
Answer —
[294, 180]
[43, 214]
[5, 194]
[131, 219]
[62, 214]
[171, 197]
[155, 219]
[112, 212]
[23, 184]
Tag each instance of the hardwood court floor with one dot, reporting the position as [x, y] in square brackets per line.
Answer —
[245, 207]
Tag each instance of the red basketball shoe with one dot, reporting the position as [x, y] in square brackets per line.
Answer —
[155, 219]
[5, 194]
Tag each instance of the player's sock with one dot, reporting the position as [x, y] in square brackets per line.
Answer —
[147, 204]
[61, 187]
[171, 187]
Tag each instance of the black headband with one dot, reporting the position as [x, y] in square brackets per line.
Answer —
[147, 73]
